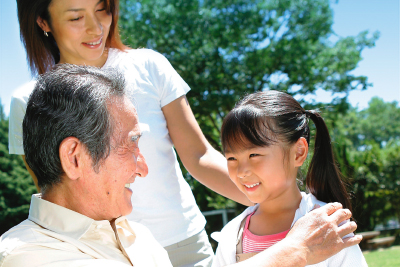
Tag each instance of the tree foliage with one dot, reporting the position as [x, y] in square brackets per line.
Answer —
[16, 185]
[368, 145]
[226, 48]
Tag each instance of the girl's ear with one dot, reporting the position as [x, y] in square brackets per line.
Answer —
[301, 151]
[43, 24]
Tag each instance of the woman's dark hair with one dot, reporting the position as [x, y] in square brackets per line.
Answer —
[42, 52]
[264, 118]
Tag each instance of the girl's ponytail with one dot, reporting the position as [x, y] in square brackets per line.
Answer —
[324, 179]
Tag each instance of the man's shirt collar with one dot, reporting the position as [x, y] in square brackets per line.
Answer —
[59, 219]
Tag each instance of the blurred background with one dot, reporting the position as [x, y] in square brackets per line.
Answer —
[341, 57]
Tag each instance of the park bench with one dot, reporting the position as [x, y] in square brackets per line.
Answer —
[381, 242]
[366, 237]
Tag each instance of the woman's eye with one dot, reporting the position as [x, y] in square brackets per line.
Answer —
[75, 19]
[230, 158]
[102, 9]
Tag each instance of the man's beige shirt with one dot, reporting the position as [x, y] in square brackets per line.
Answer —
[56, 236]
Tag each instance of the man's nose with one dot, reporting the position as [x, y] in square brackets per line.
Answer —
[141, 166]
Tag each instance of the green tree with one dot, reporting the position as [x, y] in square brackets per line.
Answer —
[368, 144]
[226, 48]
[16, 185]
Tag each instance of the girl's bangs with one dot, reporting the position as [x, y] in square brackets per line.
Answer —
[245, 127]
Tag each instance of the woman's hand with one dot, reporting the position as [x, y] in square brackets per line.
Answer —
[202, 161]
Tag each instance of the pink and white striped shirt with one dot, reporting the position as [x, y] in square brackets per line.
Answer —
[256, 243]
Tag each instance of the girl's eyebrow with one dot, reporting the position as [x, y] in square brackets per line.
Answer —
[241, 148]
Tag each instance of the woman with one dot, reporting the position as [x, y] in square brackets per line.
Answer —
[85, 32]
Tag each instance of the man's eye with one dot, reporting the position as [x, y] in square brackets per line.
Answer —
[135, 138]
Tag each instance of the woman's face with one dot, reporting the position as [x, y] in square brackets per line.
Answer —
[80, 28]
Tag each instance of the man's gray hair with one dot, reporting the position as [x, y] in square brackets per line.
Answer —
[69, 101]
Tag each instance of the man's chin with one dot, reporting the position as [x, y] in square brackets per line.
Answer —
[127, 212]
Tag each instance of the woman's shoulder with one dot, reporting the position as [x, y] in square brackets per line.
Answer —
[138, 56]
[23, 92]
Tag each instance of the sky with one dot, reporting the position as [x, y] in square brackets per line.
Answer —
[381, 64]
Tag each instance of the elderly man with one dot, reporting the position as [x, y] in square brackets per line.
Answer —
[81, 137]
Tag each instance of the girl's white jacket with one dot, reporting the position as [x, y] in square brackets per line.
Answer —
[227, 239]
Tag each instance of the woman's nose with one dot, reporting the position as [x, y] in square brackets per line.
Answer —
[94, 26]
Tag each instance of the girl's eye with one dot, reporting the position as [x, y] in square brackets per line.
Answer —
[230, 158]
[102, 9]
[253, 155]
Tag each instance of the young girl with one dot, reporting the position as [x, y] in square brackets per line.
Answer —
[265, 139]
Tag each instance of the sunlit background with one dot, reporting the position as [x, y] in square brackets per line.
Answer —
[380, 63]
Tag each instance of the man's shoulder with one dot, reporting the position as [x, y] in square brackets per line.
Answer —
[17, 236]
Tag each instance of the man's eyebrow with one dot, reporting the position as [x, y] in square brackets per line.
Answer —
[80, 9]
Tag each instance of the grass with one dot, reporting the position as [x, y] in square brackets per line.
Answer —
[389, 257]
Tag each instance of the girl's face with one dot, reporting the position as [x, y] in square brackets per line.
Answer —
[265, 173]
[80, 28]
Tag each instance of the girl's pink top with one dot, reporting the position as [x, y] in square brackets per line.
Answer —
[256, 243]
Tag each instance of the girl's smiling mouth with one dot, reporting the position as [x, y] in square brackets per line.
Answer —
[251, 187]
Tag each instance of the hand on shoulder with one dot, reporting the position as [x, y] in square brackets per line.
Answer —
[320, 235]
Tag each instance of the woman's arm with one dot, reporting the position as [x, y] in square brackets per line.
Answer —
[202, 161]
[32, 174]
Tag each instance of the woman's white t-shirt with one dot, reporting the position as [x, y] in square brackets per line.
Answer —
[162, 201]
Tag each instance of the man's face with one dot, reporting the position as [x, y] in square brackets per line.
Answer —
[107, 189]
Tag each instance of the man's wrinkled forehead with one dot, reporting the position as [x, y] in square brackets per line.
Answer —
[125, 120]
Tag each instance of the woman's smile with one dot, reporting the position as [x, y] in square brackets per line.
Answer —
[80, 29]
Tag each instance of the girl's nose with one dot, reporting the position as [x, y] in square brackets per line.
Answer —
[243, 170]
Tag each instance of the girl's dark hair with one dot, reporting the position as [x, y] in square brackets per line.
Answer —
[264, 118]
[42, 52]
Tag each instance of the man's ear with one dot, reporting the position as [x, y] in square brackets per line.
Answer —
[71, 152]
[300, 151]
[43, 24]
